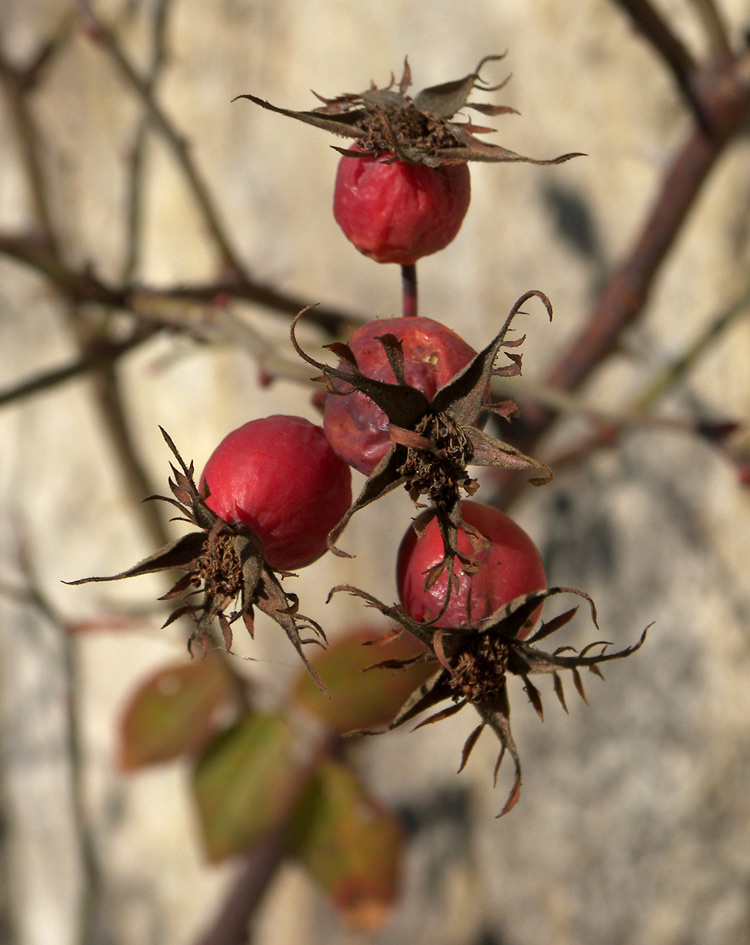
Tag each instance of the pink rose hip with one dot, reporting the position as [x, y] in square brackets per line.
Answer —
[280, 477]
[399, 212]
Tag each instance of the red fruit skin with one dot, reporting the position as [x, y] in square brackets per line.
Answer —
[400, 212]
[280, 477]
[509, 567]
[356, 428]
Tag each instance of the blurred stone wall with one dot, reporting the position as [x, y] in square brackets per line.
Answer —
[634, 822]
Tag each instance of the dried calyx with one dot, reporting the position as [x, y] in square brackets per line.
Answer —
[419, 129]
[433, 441]
[226, 574]
[472, 665]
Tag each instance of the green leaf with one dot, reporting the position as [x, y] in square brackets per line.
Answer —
[176, 711]
[350, 845]
[244, 784]
[362, 698]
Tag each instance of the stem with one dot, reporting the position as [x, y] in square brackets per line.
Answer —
[409, 290]
[82, 286]
[102, 353]
[714, 27]
[134, 204]
[230, 926]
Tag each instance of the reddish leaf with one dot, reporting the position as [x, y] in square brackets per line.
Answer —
[244, 783]
[177, 711]
[362, 698]
[350, 845]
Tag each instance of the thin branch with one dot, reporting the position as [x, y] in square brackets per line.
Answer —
[90, 901]
[46, 254]
[221, 326]
[714, 27]
[610, 427]
[626, 291]
[97, 356]
[98, 31]
[82, 286]
[32, 72]
[16, 83]
[679, 367]
[668, 45]
[134, 201]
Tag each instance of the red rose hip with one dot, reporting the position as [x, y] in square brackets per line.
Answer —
[399, 212]
[357, 428]
[280, 477]
[509, 566]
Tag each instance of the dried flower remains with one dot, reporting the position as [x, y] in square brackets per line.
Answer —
[473, 664]
[420, 129]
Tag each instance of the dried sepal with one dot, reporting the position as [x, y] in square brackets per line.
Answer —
[469, 745]
[473, 664]
[419, 129]
[226, 577]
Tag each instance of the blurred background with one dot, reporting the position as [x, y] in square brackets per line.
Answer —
[128, 174]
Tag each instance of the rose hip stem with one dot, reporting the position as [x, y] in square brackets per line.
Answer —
[409, 289]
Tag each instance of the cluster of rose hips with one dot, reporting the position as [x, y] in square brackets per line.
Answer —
[406, 405]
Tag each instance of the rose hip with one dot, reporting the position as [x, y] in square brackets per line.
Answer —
[280, 477]
[399, 212]
[356, 428]
[508, 567]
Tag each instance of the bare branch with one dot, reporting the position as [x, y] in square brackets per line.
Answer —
[714, 27]
[96, 358]
[201, 193]
[83, 286]
[668, 45]
[138, 152]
